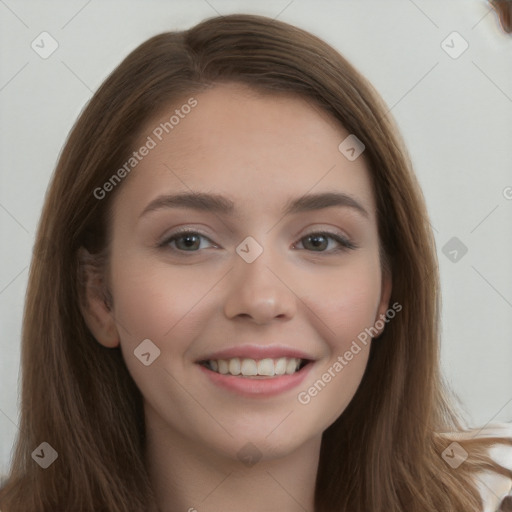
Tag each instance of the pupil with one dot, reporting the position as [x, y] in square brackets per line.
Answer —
[317, 240]
[189, 240]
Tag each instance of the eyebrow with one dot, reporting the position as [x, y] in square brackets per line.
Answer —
[216, 203]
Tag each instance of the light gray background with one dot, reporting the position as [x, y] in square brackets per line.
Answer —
[455, 115]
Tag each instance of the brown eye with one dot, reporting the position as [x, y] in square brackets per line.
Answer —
[319, 242]
[185, 241]
[190, 242]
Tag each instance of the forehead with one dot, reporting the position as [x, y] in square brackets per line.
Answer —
[258, 149]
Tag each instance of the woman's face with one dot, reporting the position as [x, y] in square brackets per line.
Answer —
[266, 272]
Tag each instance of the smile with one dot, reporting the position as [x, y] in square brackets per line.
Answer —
[247, 367]
[256, 378]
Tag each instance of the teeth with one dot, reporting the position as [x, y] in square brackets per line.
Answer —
[251, 367]
[223, 366]
[280, 366]
[234, 366]
[266, 367]
[291, 366]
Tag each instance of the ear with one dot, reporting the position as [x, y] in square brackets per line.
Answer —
[385, 296]
[95, 300]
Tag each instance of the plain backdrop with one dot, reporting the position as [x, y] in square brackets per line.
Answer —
[454, 111]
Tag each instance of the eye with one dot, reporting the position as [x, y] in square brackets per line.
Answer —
[189, 241]
[322, 241]
[319, 242]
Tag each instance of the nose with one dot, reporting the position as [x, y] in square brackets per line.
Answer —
[258, 292]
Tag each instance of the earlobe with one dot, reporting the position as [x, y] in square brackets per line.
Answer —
[95, 303]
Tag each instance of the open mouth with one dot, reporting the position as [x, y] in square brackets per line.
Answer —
[256, 368]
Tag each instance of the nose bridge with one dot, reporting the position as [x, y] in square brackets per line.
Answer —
[256, 291]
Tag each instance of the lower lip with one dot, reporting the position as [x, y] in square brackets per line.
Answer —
[257, 387]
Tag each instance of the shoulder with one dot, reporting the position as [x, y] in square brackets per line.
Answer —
[493, 487]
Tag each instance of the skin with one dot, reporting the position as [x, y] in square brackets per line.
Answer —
[259, 151]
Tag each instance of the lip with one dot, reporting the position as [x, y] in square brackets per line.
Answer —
[257, 387]
[256, 352]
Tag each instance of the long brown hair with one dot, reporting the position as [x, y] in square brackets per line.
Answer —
[384, 452]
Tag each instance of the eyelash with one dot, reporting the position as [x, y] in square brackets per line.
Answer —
[346, 245]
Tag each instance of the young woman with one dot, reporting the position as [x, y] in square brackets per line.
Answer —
[241, 308]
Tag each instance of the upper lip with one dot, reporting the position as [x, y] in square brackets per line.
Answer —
[257, 352]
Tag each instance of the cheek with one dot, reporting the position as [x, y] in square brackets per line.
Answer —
[152, 300]
[347, 300]
[347, 309]
[167, 306]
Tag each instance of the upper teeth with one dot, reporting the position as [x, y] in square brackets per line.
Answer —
[248, 367]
